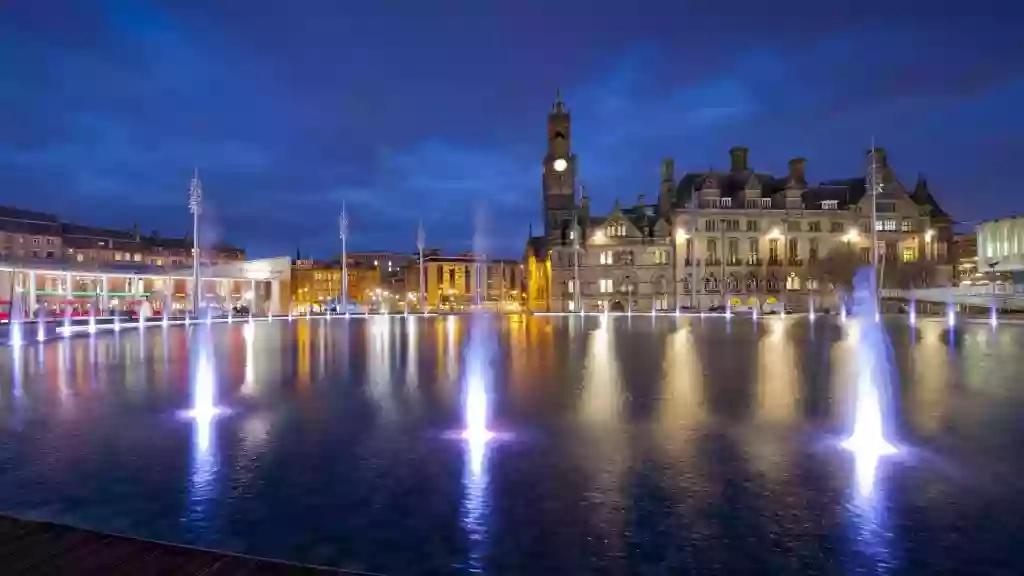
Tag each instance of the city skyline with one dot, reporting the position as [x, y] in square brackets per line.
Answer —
[287, 113]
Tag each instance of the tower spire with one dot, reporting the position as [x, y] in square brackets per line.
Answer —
[559, 106]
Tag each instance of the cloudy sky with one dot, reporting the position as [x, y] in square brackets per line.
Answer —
[409, 110]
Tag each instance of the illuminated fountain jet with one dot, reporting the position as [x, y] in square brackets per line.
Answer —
[868, 441]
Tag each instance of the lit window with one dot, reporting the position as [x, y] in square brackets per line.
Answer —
[909, 254]
[616, 229]
[572, 286]
[607, 257]
[572, 305]
[605, 285]
[907, 226]
[829, 204]
[726, 202]
[661, 256]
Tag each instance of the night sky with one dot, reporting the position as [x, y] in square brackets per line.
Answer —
[290, 108]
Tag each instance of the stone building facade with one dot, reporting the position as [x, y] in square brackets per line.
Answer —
[735, 236]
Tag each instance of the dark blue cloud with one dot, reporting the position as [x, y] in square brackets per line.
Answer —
[405, 112]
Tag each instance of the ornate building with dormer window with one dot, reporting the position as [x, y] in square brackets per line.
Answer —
[737, 237]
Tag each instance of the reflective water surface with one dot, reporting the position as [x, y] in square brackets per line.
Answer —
[525, 445]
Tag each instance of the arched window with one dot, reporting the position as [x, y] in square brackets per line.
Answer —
[686, 285]
[751, 282]
[732, 283]
[710, 284]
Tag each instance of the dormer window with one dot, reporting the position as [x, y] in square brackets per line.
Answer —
[830, 204]
[759, 203]
[712, 202]
[725, 202]
[616, 230]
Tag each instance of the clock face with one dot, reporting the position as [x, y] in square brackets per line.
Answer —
[559, 164]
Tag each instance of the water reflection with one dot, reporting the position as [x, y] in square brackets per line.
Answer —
[203, 413]
[669, 447]
[778, 380]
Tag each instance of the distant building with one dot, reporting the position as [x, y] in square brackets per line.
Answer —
[735, 235]
[1000, 246]
[965, 250]
[317, 284]
[36, 237]
[454, 282]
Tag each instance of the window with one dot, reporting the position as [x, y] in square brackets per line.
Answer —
[837, 228]
[571, 285]
[909, 254]
[793, 250]
[712, 247]
[616, 229]
[49, 241]
[907, 226]
[138, 257]
[865, 255]
[751, 225]
[726, 202]
[605, 286]
[765, 202]
[830, 204]
[79, 257]
[661, 302]
[607, 257]
[710, 225]
[773, 250]
[731, 225]
[752, 246]
[49, 254]
[661, 256]
[572, 305]
[35, 241]
[733, 254]
[813, 250]
[814, 226]
[885, 225]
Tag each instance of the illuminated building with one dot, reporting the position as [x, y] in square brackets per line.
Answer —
[32, 237]
[55, 266]
[318, 284]
[453, 283]
[734, 236]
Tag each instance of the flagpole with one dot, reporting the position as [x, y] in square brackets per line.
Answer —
[420, 242]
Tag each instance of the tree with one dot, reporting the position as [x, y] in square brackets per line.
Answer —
[837, 267]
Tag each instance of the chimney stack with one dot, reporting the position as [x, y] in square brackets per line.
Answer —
[668, 170]
[879, 155]
[739, 158]
[797, 170]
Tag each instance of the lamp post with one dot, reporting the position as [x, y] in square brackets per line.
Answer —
[195, 206]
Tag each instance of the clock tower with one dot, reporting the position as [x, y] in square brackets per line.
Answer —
[559, 175]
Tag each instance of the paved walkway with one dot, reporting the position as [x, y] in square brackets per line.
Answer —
[41, 548]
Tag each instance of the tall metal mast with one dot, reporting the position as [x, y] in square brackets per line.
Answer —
[195, 206]
[421, 240]
[874, 183]
[577, 301]
[343, 234]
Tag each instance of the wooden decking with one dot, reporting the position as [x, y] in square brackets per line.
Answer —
[40, 548]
